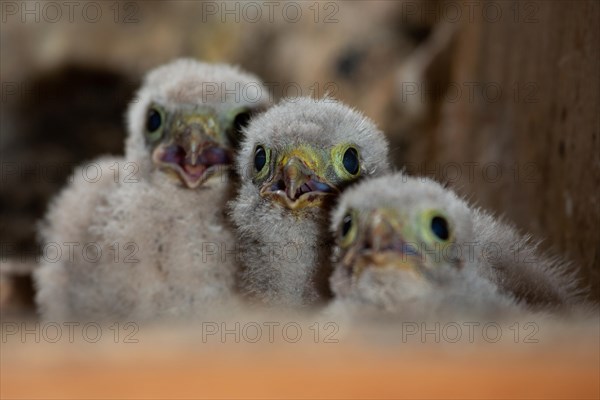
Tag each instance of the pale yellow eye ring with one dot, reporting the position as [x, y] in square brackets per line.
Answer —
[437, 227]
[346, 160]
[233, 118]
[348, 229]
[261, 160]
[154, 123]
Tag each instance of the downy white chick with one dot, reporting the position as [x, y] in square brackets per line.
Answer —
[408, 246]
[149, 237]
[296, 158]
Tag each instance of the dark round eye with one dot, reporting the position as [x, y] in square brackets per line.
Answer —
[439, 226]
[260, 158]
[350, 161]
[346, 224]
[154, 120]
[241, 121]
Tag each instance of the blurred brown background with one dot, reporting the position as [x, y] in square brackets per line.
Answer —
[500, 99]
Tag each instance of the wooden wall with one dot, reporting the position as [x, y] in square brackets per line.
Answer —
[527, 138]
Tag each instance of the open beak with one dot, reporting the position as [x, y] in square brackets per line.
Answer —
[193, 154]
[296, 185]
[383, 245]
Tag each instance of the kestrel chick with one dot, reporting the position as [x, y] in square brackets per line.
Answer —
[409, 245]
[294, 160]
[154, 221]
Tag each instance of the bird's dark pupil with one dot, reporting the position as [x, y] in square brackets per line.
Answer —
[439, 226]
[154, 120]
[241, 120]
[350, 161]
[260, 158]
[346, 225]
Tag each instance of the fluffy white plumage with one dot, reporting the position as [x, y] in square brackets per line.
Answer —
[158, 222]
[409, 246]
[294, 159]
